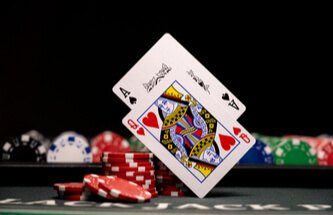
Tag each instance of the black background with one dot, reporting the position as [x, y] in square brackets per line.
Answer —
[59, 61]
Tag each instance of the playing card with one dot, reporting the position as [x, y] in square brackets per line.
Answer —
[166, 61]
[195, 139]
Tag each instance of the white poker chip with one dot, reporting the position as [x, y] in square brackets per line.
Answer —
[69, 148]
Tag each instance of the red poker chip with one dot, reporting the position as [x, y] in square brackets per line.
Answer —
[325, 154]
[128, 169]
[149, 186]
[135, 178]
[146, 182]
[161, 164]
[154, 194]
[153, 189]
[165, 177]
[130, 174]
[165, 173]
[133, 173]
[134, 155]
[108, 142]
[123, 159]
[177, 185]
[125, 190]
[74, 197]
[169, 188]
[131, 164]
[69, 187]
[93, 183]
[65, 193]
[172, 193]
[173, 181]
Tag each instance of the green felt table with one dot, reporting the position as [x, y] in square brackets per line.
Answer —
[221, 200]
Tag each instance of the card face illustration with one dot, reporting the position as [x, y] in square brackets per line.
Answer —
[194, 139]
[161, 65]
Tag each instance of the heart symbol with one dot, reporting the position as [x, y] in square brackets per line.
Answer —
[236, 130]
[226, 141]
[225, 96]
[132, 100]
[150, 120]
[140, 131]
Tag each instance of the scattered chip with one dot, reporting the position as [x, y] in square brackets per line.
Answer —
[125, 190]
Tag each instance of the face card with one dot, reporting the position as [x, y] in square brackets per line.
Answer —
[192, 137]
[165, 62]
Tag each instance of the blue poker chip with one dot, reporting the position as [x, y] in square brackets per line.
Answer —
[260, 153]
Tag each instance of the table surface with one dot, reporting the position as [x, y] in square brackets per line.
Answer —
[251, 200]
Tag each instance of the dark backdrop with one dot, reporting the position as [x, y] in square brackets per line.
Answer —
[61, 59]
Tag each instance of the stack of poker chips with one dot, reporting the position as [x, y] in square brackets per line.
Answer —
[69, 147]
[136, 167]
[290, 150]
[23, 149]
[71, 191]
[168, 184]
[108, 141]
[260, 153]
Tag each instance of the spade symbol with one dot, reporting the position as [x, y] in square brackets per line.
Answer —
[132, 100]
[225, 96]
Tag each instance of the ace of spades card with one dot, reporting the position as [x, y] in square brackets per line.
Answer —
[164, 61]
[190, 134]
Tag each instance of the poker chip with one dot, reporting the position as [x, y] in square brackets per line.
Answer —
[168, 183]
[136, 178]
[34, 134]
[137, 155]
[150, 182]
[123, 160]
[130, 173]
[129, 165]
[126, 190]
[23, 149]
[93, 182]
[74, 197]
[325, 153]
[172, 193]
[108, 141]
[133, 173]
[294, 152]
[127, 169]
[69, 148]
[260, 153]
[69, 187]
[148, 186]
[164, 173]
[164, 177]
[271, 141]
[153, 194]
[136, 145]
[70, 133]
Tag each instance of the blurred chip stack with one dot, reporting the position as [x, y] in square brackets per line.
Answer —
[23, 149]
[108, 141]
[167, 183]
[69, 147]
